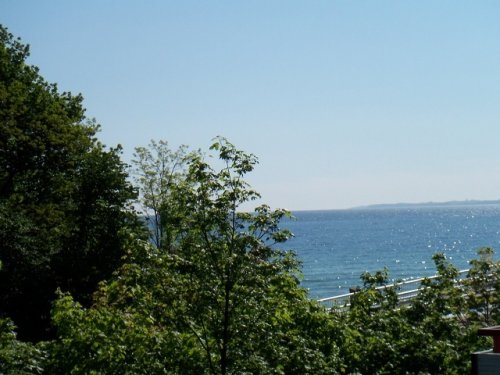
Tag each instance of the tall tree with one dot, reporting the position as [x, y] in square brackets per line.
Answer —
[63, 195]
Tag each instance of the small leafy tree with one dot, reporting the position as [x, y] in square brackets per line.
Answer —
[18, 357]
[483, 288]
[439, 311]
[369, 333]
[435, 334]
[157, 170]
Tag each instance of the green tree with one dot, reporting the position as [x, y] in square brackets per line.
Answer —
[435, 334]
[157, 169]
[132, 328]
[63, 195]
[483, 289]
[226, 301]
[18, 357]
[440, 311]
[371, 334]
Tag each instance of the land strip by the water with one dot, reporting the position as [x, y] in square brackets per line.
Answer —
[464, 203]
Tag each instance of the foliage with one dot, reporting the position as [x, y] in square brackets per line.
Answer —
[438, 312]
[63, 196]
[226, 301]
[369, 332]
[157, 170]
[483, 289]
[146, 318]
[108, 340]
[435, 334]
[18, 357]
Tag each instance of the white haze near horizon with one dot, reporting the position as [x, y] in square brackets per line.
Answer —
[345, 103]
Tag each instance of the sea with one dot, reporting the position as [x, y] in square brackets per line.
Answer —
[337, 246]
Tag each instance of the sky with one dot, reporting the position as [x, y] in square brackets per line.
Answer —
[345, 103]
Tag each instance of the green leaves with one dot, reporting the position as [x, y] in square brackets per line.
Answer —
[483, 288]
[157, 171]
[435, 334]
[18, 357]
[64, 197]
[221, 299]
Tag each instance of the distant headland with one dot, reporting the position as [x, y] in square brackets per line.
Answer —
[431, 204]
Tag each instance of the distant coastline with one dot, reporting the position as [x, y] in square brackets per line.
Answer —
[430, 204]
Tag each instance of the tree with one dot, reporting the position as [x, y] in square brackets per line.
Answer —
[441, 310]
[483, 288]
[18, 357]
[232, 273]
[226, 301]
[435, 334]
[373, 335]
[157, 170]
[63, 195]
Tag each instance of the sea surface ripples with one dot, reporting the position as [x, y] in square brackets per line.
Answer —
[337, 246]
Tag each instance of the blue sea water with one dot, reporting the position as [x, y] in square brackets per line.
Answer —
[336, 246]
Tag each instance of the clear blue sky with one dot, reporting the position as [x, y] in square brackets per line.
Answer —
[345, 103]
